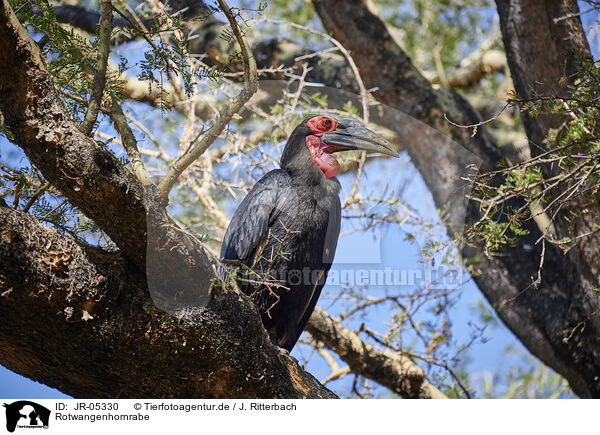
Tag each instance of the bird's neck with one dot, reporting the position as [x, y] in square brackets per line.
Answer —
[299, 163]
[315, 180]
[320, 153]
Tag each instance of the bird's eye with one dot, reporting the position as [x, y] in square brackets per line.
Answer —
[322, 124]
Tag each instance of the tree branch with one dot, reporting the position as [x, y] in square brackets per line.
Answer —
[82, 18]
[250, 87]
[91, 177]
[129, 143]
[83, 322]
[392, 370]
[557, 338]
[471, 73]
[100, 74]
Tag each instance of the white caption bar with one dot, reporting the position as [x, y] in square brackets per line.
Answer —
[23, 417]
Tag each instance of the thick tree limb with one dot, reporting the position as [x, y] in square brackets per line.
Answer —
[544, 54]
[83, 19]
[394, 371]
[82, 321]
[471, 73]
[90, 176]
[546, 46]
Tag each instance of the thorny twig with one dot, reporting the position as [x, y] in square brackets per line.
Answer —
[250, 87]
[99, 82]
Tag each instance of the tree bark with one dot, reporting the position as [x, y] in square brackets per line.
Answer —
[545, 45]
[82, 321]
[395, 371]
[86, 173]
[557, 321]
[546, 48]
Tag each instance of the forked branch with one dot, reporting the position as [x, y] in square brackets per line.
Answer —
[250, 87]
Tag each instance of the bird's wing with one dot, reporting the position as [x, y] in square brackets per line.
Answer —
[331, 239]
[250, 222]
[333, 233]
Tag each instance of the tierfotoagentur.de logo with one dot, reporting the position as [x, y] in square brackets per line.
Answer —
[25, 414]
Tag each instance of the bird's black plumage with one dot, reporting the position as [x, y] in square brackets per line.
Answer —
[283, 235]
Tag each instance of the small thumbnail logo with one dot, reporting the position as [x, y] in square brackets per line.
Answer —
[26, 415]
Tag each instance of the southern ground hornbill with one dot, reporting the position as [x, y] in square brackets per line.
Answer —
[283, 235]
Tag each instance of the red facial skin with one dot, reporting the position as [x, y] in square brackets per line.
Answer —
[319, 150]
[322, 124]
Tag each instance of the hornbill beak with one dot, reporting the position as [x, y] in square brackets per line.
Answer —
[351, 135]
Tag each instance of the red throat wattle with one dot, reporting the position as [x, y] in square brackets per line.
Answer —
[319, 150]
[320, 154]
